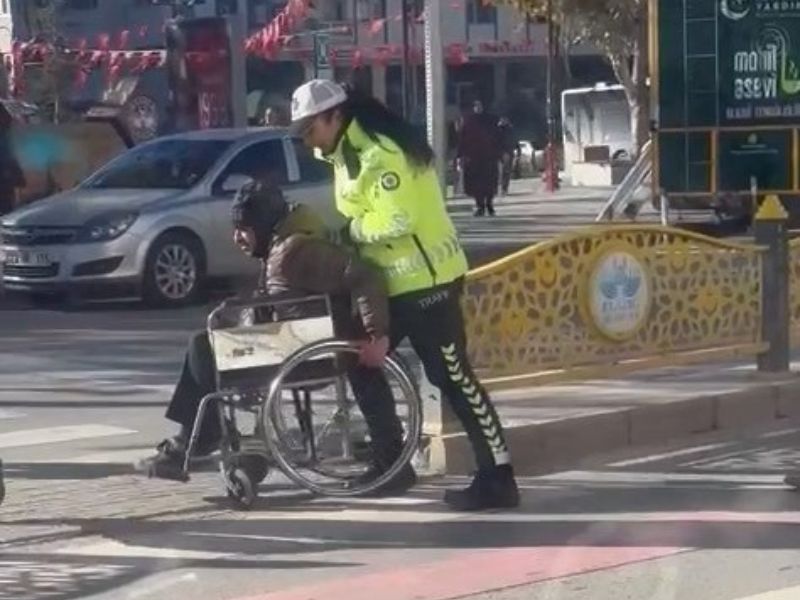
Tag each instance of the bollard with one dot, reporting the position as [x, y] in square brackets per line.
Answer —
[772, 232]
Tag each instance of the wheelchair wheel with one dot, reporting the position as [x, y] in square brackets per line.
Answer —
[307, 454]
[240, 488]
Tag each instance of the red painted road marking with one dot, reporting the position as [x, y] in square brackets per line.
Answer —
[472, 573]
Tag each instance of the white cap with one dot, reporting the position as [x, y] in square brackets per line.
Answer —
[315, 97]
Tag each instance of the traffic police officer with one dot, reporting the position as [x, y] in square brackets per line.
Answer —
[387, 187]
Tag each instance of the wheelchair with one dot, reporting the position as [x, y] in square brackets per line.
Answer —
[279, 366]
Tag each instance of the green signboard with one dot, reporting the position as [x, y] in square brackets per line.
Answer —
[728, 64]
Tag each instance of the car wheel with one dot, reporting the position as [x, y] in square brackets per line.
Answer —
[174, 272]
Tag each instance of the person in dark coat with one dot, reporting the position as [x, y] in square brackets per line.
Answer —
[479, 152]
[509, 151]
[11, 176]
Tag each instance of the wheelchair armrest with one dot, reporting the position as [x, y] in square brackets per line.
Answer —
[238, 303]
[273, 302]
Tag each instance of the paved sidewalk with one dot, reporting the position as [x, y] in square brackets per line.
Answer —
[553, 426]
[549, 427]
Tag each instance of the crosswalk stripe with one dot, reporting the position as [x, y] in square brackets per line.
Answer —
[110, 457]
[784, 594]
[639, 477]
[10, 414]
[54, 435]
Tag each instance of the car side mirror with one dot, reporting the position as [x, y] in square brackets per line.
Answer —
[233, 183]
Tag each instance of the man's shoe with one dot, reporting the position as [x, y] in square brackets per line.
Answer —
[167, 462]
[397, 486]
[163, 466]
[479, 212]
[490, 489]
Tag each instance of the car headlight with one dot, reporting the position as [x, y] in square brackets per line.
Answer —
[107, 227]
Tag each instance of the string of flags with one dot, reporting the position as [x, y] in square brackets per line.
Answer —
[110, 51]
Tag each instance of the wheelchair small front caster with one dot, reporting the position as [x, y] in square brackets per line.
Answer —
[255, 465]
[252, 457]
[240, 488]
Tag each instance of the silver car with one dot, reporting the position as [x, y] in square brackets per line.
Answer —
[155, 222]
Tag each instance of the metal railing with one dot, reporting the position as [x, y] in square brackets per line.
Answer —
[625, 191]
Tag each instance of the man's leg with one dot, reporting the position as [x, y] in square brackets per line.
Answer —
[480, 206]
[439, 339]
[374, 397]
[490, 206]
[196, 382]
[506, 174]
[376, 402]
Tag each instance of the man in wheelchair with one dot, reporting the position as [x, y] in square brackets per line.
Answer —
[290, 241]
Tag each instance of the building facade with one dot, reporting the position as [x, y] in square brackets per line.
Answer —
[493, 54]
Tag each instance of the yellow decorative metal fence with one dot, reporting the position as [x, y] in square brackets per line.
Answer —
[794, 289]
[607, 296]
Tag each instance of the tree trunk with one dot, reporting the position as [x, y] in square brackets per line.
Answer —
[566, 62]
[640, 119]
[633, 78]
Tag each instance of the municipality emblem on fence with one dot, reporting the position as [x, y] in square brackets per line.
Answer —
[618, 294]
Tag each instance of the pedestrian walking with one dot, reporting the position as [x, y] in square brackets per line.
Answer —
[509, 152]
[479, 153]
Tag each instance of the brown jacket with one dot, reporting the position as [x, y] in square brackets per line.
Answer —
[302, 260]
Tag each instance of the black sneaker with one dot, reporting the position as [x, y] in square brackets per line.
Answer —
[479, 212]
[491, 488]
[397, 486]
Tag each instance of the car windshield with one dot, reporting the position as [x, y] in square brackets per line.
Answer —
[173, 163]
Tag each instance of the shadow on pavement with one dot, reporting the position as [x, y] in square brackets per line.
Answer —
[714, 499]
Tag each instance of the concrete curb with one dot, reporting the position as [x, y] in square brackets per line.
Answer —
[557, 444]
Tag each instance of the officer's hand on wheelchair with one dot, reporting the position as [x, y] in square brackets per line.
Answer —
[372, 353]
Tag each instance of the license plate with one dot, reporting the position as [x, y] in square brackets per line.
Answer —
[24, 258]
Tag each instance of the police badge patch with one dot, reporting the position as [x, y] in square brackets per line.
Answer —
[390, 181]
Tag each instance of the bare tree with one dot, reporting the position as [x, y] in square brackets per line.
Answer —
[618, 28]
[47, 80]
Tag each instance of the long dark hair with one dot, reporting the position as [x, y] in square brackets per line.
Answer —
[376, 119]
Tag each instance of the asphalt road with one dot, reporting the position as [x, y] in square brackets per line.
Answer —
[82, 396]
[703, 518]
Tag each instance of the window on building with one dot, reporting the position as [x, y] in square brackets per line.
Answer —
[4, 7]
[480, 13]
[80, 4]
[371, 9]
[261, 12]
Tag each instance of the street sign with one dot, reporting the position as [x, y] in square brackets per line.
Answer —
[322, 47]
[725, 66]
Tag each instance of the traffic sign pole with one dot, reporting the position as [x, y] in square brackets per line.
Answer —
[435, 80]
